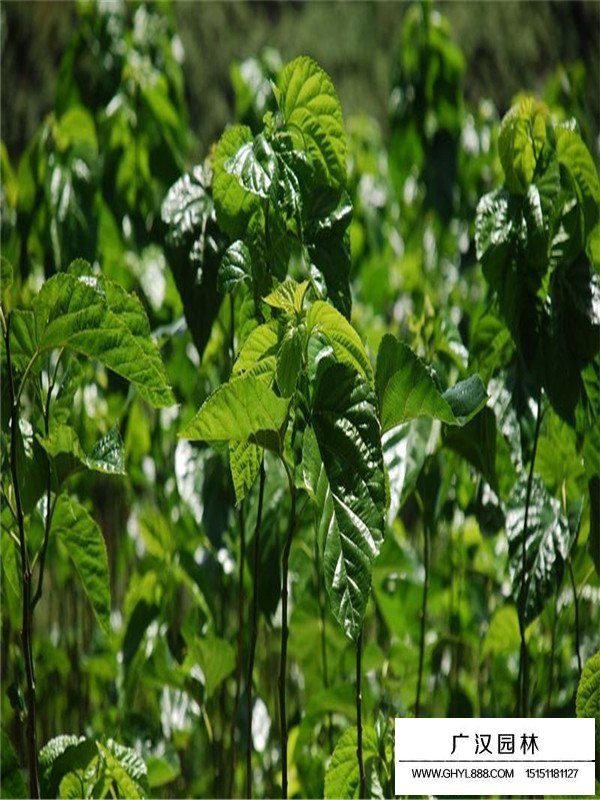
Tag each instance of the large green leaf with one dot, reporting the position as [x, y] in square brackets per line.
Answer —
[313, 116]
[347, 344]
[245, 409]
[85, 545]
[258, 354]
[548, 542]
[97, 318]
[215, 657]
[350, 490]
[406, 389]
[342, 778]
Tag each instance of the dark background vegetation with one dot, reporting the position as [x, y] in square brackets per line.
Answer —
[507, 45]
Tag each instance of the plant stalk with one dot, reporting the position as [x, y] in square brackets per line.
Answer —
[26, 629]
[524, 654]
[285, 632]
[359, 737]
[240, 644]
[423, 617]
[253, 630]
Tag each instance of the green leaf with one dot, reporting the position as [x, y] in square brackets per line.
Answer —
[502, 637]
[97, 318]
[107, 455]
[548, 542]
[245, 409]
[289, 360]
[187, 207]
[587, 702]
[215, 657]
[194, 249]
[574, 156]
[235, 267]
[127, 785]
[466, 398]
[62, 756]
[405, 449]
[163, 769]
[12, 782]
[244, 462]
[345, 341]
[342, 778]
[288, 296]
[255, 166]
[258, 355]
[313, 116]
[406, 389]
[233, 204]
[350, 490]
[328, 253]
[522, 136]
[85, 545]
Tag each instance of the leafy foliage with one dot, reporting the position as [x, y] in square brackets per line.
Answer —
[359, 416]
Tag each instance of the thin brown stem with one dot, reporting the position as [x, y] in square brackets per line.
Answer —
[285, 632]
[26, 630]
[240, 645]
[253, 630]
[359, 737]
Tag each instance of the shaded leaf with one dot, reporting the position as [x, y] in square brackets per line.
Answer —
[406, 389]
[85, 545]
[548, 542]
[235, 267]
[350, 491]
[215, 657]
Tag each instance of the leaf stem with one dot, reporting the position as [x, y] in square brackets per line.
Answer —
[524, 654]
[27, 612]
[240, 644]
[285, 631]
[253, 630]
[423, 616]
[359, 737]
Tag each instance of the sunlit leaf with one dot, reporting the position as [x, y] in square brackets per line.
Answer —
[245, 409]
